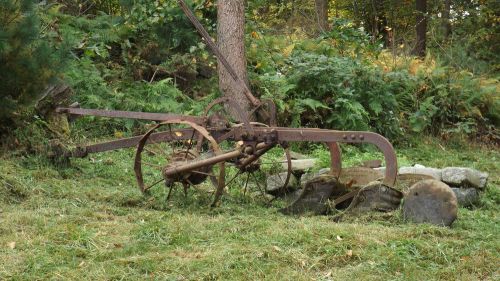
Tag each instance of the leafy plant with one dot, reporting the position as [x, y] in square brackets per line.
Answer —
[27, 62]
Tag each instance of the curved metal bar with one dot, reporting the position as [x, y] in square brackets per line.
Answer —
[328, 136]
[242, 115]
[271, 113]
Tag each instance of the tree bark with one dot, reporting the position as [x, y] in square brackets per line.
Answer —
[231, 41]
[322, 14]
[446, 19]
[421, 28]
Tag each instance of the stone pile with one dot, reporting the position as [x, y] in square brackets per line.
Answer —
[466, 183]
[431, 195]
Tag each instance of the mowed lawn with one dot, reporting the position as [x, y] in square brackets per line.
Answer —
[90, 222]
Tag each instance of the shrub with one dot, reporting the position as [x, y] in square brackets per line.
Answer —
[27, 62]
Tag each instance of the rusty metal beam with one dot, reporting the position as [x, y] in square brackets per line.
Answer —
[128, 114]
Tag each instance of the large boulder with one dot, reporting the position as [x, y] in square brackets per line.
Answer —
[430, 201]
[275, 184]
[464, 177]
[466, 197]
[421, 170]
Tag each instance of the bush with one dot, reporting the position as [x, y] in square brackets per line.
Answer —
[316, 86]
[27, 62]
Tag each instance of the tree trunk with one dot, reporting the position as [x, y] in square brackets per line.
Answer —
[446, 19]
[322, 14]
[421, 29]
[231, 42]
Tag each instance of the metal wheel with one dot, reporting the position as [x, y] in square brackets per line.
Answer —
[186, 143]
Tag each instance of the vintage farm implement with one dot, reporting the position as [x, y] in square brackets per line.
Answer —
[189, 150]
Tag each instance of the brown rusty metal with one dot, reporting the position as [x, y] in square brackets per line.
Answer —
[256, 138]
[280, 134]
[336, 159]
[128, 114]
[193, 165]
[201, 130]
[242, 116]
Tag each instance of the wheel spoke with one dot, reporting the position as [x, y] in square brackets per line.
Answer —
[154, 184]
[246, 185]
[190, 145]
[232, 179]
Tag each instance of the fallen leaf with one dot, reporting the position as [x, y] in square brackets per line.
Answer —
[11, 245]
[277, 249]
[349, 253]
[339, 238]
[81, 264]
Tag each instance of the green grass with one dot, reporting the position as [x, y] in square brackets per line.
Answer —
[90, 222]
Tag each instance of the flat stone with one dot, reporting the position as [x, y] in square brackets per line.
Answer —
[359, 176]
[380, 169]
[465, 177]
[309, 176]
[430, 201]
[297, 156]
[300, 164]
[435, 173]
[466, 197]
[372, 163]
[405, 181]
[275, 184]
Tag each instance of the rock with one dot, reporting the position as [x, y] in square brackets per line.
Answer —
[315, 196]
[295, 155]
[405, 181]
[466, 197]
[465, 177]
[375, 197]
[324, 171]
[359, 176]
[309, 176]
[435, 173]
[430, 201]
[380, 169]
[372, 164]
[419, 166]
[276, 184]
[291, 197]
[300, 164]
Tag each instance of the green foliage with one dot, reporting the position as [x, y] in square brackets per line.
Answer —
[319, 85]
[349, 94]
[27, 61]
[456, 102]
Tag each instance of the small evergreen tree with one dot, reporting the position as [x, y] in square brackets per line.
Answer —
[27, 62]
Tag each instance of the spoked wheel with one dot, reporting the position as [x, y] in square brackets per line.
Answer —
[171, 145]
